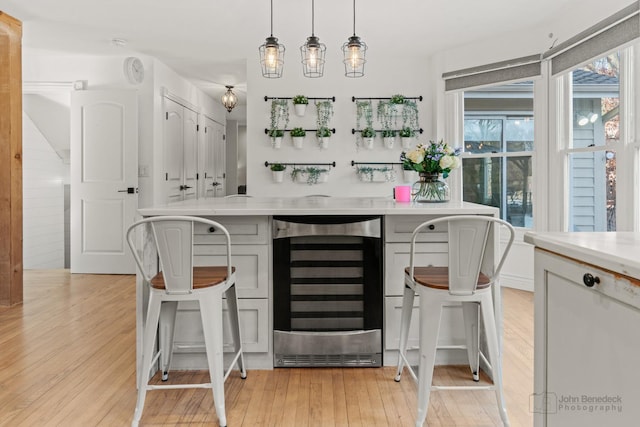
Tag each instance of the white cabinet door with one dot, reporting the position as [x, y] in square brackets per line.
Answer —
[213, 153]
[586, 351]
[104, 180]
[180, 152]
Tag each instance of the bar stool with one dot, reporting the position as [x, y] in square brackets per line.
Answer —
[469, 280]
[178, 280]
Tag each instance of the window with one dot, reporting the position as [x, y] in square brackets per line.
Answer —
[498, 148]
[592, 147]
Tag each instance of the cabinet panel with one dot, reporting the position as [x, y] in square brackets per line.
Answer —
[400, 228]
[251, 262]
[397, 258]
[242, 229]
[254, 324]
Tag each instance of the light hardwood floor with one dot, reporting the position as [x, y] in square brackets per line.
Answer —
[67, 358]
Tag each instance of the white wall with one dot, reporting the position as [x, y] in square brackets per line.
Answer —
[384, 77]
[44, 175]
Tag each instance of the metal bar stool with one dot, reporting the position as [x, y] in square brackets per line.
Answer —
[178, 281]
[468, 279]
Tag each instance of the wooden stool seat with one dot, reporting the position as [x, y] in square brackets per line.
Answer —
[438, 277]
[203, 277]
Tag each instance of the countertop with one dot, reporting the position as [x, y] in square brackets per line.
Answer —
[615, 251]
[313, 205]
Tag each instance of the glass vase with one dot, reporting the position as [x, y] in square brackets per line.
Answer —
[430, 189]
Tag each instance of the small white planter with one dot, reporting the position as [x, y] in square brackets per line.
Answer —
[409, 176]
[278, 176]
[297, 140]
[367, 143]
[324, 142]
[389, 141]
[407, 142]
[300, 109]
[276, 142]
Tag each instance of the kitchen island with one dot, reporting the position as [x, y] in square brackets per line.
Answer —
[252, 221]
[587, 329]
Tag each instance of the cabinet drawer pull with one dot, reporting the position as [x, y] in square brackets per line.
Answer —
[212, 229]
[432, 227]
[589, 280]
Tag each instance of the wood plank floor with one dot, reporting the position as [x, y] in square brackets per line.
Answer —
[67, 358]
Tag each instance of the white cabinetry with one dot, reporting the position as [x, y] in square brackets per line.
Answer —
[180, 151]
[250, 255]
[587, 343]
[212, 168]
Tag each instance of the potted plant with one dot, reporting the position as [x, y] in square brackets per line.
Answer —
[375, 174]
[297, 136]
[310, 175]
[430, 161]
[389, 137]
[408, 174]
[277, 171]
[386, 114]
[323, 134]
[300, 103]
[368, 134]
[398, 101]
[325, 113]
[279, 121]
[276, 137]
[410, 115]
[406, 135]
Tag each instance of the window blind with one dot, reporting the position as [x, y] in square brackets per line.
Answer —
[497, 72]
[602, 37]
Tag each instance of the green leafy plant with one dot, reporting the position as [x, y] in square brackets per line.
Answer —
[368, 132]
[276, 133]
[278, 167]
[298, 132]
[366, 173]
[323, 132]
[397, 99]
[407, 132]
[364, 110]
[313, 174]
[279, 115]
[325, 113]
[388, 133]
[300, 99]
[386, 113]
[410, 115]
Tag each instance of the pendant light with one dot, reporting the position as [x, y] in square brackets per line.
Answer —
[229, 99]
[313, 52]
[271, 55]
[354, 51]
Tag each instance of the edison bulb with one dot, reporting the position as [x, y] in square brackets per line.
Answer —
[271, 57]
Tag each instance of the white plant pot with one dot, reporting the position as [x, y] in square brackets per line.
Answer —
[409, 176]
[324, 177]
[324, 142]
[297, 140]
[389, 141]
[278, 176]
[300, 109]
[367, 143]
[407, 142]
[276, 142]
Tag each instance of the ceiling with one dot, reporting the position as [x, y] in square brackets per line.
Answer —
[209, 41]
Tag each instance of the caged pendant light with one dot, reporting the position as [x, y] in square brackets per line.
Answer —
[271, 55]
[354, 51]
[229, 99]
[313, 52]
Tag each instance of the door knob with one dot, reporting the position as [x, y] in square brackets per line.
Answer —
[589, 280]
[215, 184]
[184, 187]
[129, 190]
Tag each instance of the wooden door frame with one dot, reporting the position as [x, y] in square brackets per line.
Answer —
[10, 161]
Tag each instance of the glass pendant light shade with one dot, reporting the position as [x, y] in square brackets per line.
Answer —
[229, 99]
[271, 55]
[313, 52]
[354, 52]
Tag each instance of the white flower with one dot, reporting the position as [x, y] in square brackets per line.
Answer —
[416, 156]
[447, 162]
[448, 150]
[456, 162]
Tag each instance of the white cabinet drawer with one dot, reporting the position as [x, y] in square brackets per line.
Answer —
[242, 229]
[251, 262]
[400, 228]
[396, 257]
[254, 325]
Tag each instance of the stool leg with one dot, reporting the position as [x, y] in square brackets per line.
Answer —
[211, 313]
[471, 315]
[234, 317]
[430, 312]
[148, 340]
[168, 312]
[405, 324]
[495, 358]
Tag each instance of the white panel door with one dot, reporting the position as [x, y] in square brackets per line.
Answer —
[104, 180]
[173, 150]
[190, 138]
[213, 151]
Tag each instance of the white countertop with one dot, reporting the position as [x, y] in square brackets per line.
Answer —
[313, 206]
[615, 251]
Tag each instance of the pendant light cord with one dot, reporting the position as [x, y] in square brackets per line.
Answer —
[313, 8]
[354, 17]
[272, 17]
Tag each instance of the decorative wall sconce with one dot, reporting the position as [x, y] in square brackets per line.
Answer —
[584, 118]
[271, 55]
[229, 99]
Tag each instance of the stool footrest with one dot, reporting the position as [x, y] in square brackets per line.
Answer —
[177, 386]
[463, 387]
